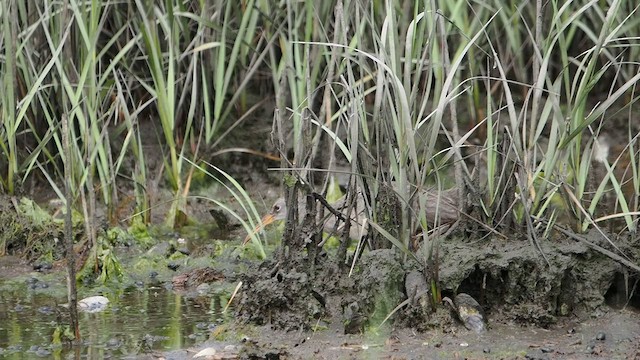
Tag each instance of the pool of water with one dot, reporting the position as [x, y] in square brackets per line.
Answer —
[139, 319]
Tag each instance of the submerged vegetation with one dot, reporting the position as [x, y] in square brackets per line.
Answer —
[524, 116]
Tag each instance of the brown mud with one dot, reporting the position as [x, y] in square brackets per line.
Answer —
[554, 309]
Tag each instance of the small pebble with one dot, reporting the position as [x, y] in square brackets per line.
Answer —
[173, 266]
[113, 343]
[534, 356]
[546, 350]
[571, 331]
[601, 336]
[207, 353]
[153, 274]
[464, 344]
[486, 350]
[42, 352]
[591, 348]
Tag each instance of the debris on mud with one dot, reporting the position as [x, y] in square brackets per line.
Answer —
[23, 224]
[195, 278]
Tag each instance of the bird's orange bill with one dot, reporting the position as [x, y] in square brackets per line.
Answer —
[266, 220]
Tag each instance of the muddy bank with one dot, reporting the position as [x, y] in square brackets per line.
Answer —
[514, 282]
[510, 279]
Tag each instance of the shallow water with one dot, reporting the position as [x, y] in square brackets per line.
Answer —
[138, 320]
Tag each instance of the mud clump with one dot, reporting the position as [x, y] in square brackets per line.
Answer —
[196, 278]
[379, 290]
[293, 299]
[23, 225]
[510, 280]
[419, 310]
[282, 297]
[513, 282]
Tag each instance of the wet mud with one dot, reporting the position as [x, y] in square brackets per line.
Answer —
[534, 308]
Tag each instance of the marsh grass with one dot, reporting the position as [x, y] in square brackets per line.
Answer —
[506, 103]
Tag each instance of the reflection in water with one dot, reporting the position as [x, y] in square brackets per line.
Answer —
[136, 321]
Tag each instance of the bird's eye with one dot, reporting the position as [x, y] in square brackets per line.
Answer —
[276, 208]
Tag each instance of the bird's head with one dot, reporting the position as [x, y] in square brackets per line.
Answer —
[278, 212]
